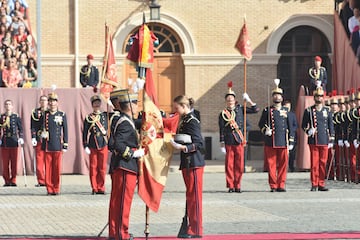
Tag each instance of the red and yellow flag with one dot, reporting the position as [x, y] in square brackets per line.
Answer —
[243, 43]
[108, 76]
[154, 166]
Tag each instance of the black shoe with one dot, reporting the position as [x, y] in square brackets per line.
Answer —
[189, 236]
[7, 185]
[238, 190]
[40, 185]
[93, 192]
[100, 192]
[273, 190]
[313, 188]
[231, 190]
[13, 185]
[323, 189]
[281, 190]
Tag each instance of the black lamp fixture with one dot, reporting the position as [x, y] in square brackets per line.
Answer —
[154, 10]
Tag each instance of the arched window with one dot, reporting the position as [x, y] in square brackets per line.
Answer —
[298, 48]
[168, 40]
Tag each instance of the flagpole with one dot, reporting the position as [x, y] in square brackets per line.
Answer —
[245, 102]
[147, 216]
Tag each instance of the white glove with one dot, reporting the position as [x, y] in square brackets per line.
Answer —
[175, 145]
[246, 97]
[346, 143]
[340, 143]
[356, 143]
[311, 131]
[135, 88]
[223, 150]
[330, 145]
[140, 83]
[64, 150]
[268, 132]
[34, 142]
[87, 150]
[21, 141]
[291, 147]
[139, 153]
[318, 83]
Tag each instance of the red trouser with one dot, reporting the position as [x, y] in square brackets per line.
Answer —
[352, 157]
[98, 163]
[10, 158]
[318, 156]
[123, 185]
[277, 161]
[234, 165]
[193, 179]
[53, 171]
[40, 163]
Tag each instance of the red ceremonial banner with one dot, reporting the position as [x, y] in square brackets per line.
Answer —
[243, 43]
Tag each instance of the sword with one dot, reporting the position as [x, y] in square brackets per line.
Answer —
[23, 162]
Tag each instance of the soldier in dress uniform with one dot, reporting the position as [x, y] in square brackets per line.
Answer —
[95, 144]
[36, 128]
[354, 137]
[231, 128]
[318, 124]
[12, 137]
[54, 142]
[333, 164]
[89, 74]
[191, 165]
[318, 75]
[124, 144]
[279, 138]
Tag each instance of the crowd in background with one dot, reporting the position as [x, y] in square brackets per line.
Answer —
[17, 52]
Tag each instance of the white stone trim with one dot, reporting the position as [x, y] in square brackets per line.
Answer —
[300, 20]
[169, 20]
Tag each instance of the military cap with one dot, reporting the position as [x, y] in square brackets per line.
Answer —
[89, 56]
[341, 100]
[318, 59]
[319, 92]
[333, 101]
[357, 96]
[277, 90]
[95, 98]
[52, 96]
[124, 96]
[230, 91]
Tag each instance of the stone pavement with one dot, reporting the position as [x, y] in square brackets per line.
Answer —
[28, 211]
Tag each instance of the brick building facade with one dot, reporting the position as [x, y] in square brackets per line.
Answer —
[205, 32]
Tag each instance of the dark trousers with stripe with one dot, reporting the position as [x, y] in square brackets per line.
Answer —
[123, 185]
[193, 179]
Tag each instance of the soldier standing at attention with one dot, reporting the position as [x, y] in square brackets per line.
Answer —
[124, 162]
[318, 75]
[12, 136]
[318, 124]
[95, 144]
[54, 143]
[36, 128]
[89, 74]
[231, 127]
[279, 138]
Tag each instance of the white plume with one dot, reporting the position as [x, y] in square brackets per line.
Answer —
[277, 81]
[130, 81]
[53, 87]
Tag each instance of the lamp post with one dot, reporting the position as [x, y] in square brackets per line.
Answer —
[154, 10]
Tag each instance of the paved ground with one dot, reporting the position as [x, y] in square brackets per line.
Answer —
[28, 211]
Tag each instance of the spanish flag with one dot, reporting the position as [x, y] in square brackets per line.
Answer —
[154, 166]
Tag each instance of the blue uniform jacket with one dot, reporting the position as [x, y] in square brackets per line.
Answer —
[283, 131]
[123, 143]
[322, 120]
[11, 130]
[194, 156]
[95, 130]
